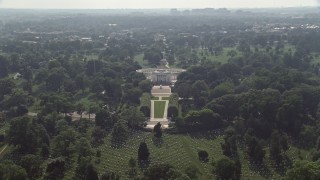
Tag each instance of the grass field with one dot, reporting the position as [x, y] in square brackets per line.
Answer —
[165, 98]
[139, 58]
[316, 59]
[222, 57]
[155, 98]
[177, 150]
[159, 107]
[92, 56]
[181, 151]
[4, 127]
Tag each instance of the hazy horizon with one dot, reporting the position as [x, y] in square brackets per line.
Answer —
[153, 4]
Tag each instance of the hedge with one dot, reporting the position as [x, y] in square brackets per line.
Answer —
[173, 107]
[145, 104]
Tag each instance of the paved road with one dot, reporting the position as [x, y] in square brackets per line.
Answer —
[5, 147]
[75, 116]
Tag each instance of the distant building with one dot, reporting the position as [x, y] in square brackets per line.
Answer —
[17, 75]
[175, 11]
[163, 75]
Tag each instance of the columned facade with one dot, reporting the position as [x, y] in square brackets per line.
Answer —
[161, 76]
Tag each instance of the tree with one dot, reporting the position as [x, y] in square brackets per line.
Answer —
[56, 102]
[203, 119]
[55, 169]
[308, 135]
[55, 79]
[133, 116]
[153, 55]
[92, 173]
[229, 147]
[244, 47]
[225, 168]
[119, 133]
[254, 147]
[98, 134]
[192, 171]
[3, 67]
[92, 108]
[80, 81]
[304, 170]
[157, 130]
[259, 153]
[132, 95]
[86, 170]
[232, 53]
[27, 134]
[103, 119]
[200, 92]
[84, 148]
[109, 176]
[8, 170]
[145, 85]
[275, 146]
[173, 107]
[223, 89]
[32, 164]
[132, 164]
[45, 151]
[17, 101]
[80, 108]
[203, 156]
[163, 171]
[64, 142]
[143, 152]
[6, 87]
[184, 90]
[145, 104]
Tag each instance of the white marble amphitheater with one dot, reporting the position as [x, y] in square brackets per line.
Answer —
[163, 76]
[163, 79]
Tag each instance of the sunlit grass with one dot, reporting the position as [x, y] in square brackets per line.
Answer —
[159, 108]
[139, 58]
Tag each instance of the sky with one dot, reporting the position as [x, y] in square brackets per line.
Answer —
[148, 4]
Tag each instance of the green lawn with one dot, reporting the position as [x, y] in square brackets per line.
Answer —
[177, 150]
[4, 127]
[139, 58]
[181, 151]
[222, 57]
[155, 98]
[316, 59]
[92, 56]
[165, 98]
[159, 109]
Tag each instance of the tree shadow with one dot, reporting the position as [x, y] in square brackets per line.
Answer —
[144, 164]
[208, 135]
[262, 169]
[282, 165]
[132, 172]
[117, 144]
[158, 142]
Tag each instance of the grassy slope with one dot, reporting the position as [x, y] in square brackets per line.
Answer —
[178, 150]
[155, 98]
[159, 109]
[165, 98]
[222, 58]
[139, 58]
[181, 151]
